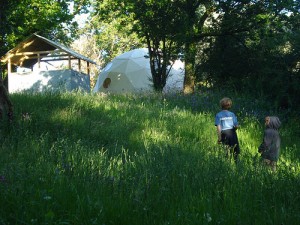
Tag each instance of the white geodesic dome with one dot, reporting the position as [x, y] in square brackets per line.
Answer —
[130, 72]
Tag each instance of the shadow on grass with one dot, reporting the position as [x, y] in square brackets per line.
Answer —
[130, 160]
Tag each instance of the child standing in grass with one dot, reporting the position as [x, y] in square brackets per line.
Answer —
[270, 145]
[227, 123]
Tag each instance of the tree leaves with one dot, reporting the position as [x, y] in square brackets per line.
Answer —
[50, 18]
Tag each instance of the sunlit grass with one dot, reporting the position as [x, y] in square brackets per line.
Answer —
[142, 159]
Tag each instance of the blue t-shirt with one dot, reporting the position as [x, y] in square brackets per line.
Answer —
[226, 119]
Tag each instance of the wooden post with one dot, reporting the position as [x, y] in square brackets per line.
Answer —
[88, 68]
[79, 65]
[69, 57]
[9, 66]
[39, 60]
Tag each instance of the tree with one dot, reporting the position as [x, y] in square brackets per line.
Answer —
[87, 46]
[110, 32]
[197, 13]
[259, 60]
[155, 22]
[6, 7]
[159, 23]
[170, 27]
[49, 18]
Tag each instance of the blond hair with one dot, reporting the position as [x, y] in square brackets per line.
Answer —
[267, 120]
[225, 103]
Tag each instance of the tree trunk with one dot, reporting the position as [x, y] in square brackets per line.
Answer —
[189, 78]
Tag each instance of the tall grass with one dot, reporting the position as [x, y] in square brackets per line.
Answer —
[142, 159]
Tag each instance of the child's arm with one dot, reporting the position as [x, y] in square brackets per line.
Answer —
[219, 133]
[261, 148]
[266, 142]
[235, 122]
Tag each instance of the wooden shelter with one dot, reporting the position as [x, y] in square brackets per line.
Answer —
[36, 49]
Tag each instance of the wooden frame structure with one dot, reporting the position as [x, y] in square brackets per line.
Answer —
[36, 49]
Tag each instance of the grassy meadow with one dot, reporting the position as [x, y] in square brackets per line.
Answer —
[143, 159]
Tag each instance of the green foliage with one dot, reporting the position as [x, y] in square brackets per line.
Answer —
[142, 159]
[240, 44]
[225, 43]
[156, 23]
[259, 60]
[50, 18]
[109, 32]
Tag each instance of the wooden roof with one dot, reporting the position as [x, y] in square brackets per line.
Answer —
[36, 47]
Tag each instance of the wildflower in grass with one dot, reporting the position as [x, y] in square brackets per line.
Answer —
[57, 171]
[47, 198]
[26, 116]
[2, 179]
[207, 217]
[33, 221]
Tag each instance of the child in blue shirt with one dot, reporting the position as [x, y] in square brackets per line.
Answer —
[227, 123]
